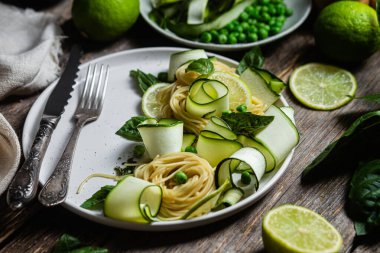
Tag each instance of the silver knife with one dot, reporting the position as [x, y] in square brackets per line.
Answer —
[24, 185]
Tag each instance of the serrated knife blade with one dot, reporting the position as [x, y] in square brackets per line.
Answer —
[23, 187]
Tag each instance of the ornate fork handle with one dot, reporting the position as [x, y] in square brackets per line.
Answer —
[55, 190]
[25, 183]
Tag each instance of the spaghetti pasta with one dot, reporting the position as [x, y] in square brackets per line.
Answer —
[178, 199]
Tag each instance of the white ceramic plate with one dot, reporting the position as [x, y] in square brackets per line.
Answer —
[301, 10]
[100, 150]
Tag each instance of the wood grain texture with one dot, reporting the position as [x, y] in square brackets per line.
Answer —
[36, 229]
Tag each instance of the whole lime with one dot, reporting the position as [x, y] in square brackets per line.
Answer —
[104, 20]
[347, 31]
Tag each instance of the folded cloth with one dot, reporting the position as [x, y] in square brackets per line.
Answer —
[29, 50]
[9, 153]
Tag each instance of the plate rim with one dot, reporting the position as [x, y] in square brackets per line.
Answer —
[217, 47]
[159, 226]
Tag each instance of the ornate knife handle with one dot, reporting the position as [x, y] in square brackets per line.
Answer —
[55, 190]
[24, 185]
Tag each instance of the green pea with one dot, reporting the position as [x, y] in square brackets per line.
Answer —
[138, 151]
[272, 10]
[229, 26]
[249, 9]
[191, 149]
[180, 177]
[215, 35]
[275, 30]
[223, 31]
[232, 39]
[252, 37]
[245, 26]
[265, 17]
[225, 112]
[252, 29]
[279, 24]
[265, 2]
[235, 22]
[255, 13]
[241, 108]
[238, 29]
[244, 16]
[242, 37]
[288, 12]
[264, 9]
[206, 37]
[281, 10]
[263, 33]
[245, 178]
[281, 18]
[272, 22]
[222, 38]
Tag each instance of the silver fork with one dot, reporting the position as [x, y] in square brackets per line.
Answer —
[54, 191]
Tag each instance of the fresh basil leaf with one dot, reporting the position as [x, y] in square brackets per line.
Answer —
[201, 66]
[359, 142]
[97, 199]
[129, 129]
[144, 81]
[246, 123]
[364, 197]
[371, 98]
[71, 244]
[253, 58]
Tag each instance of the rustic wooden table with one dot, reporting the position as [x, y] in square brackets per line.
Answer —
[36, 229]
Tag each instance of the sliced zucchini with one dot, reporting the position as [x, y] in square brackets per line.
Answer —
[269, 158]
[192, 31]
[259, 87]
[214, 148]
[207, 98]
[289, 111]
[158, 3]
[245, 159]
[133, 199]
[217, 125]
[206, 204]
[197, 11]
[178, 59]
[280, 136]
[187, 140]
[231, 197]
[161, 137]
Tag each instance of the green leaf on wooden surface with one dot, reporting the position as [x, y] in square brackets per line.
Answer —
[364, 197]
[253, 58]
[97, 199]
[359, 141]
[370, 98]
[71, 244]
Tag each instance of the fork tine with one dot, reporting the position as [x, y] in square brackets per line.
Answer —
[96, 99]
[86, 85]
[89, 101]
[100, 100]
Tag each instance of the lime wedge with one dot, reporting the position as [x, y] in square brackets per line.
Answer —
[322, 87]
[150, 105]
[290, 228]
[238, 90]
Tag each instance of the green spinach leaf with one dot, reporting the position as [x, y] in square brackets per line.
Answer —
[201, 66]
[71, 244]
[144, 81]
[97, 199]
[359, 142]
[129, 129]
[246, 123]
[364, 197]
[253, 58]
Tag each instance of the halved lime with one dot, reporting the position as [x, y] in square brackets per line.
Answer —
[150, 105]
[322, 87]
[290, 228]
[239, 92]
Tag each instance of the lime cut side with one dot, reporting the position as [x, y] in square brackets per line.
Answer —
[322, 87]
[290, 228]
[238, 90]
[150, 105]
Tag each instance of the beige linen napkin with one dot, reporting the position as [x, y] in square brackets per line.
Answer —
[9, 153]
[29, 50]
